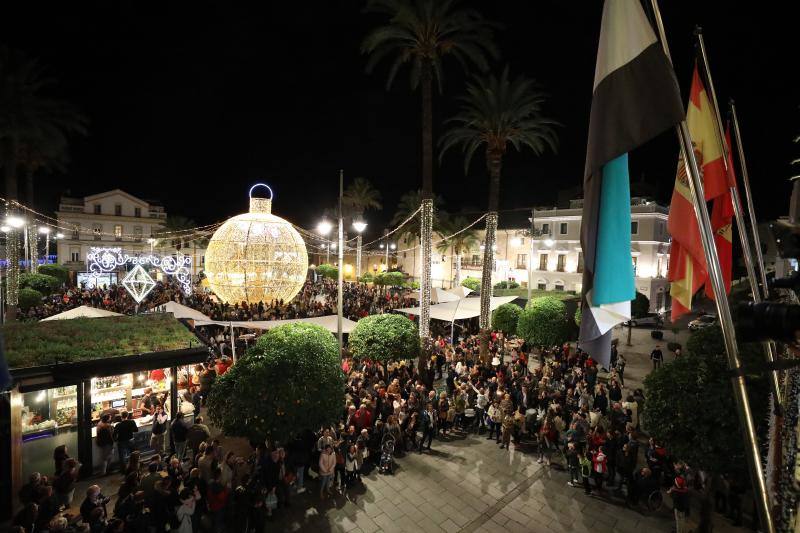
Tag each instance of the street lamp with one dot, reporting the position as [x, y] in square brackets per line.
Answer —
[324, 228]
[152, 242]
[44, 230]
[15, 221]
[549, 242]
[359, 224]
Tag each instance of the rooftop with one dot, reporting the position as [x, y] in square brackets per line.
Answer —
[30, 344]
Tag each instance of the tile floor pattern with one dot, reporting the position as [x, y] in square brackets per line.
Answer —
[465, 484]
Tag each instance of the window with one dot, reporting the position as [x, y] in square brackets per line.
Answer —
[137, 212]
[74, 254]
[543, 262]
[659, 267]
[634, 259]
[476, 260]
[76, 232]
[97, 230]
[98, 209]
[559, 286]
[545, 229]
[137, 233]
[404, 255]
[562, 262]
[542, 286]
[580, 263]
[118, 210]
[117, 232]
[634, 227]
[522, 261]
[563, 228]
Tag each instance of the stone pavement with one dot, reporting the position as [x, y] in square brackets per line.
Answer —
[464, 484]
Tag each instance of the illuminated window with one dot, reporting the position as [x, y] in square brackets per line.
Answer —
[543, 262]
[522, 261]
[117, 232]
[634, 259]
[137, 233]
[97, 230]
[562, 262]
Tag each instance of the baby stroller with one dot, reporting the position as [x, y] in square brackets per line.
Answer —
[386, 465]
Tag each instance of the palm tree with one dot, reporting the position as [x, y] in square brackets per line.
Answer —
[459, 244]
[33, 128]
[176, 230]
[421, 34]
[361, 196]
[495, 113]
[412, 230]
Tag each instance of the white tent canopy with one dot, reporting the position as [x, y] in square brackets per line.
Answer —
[460, 291]
[328, 322]
[83, 311]
[440, 296]
[182, 311]
[459, 309]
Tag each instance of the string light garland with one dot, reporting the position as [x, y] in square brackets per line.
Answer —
[103, 260]
[256, 257]
[488, 262]
[426, 230]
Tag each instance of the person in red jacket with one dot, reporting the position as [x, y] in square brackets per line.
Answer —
[217, 499]
[363, 418]
[599, 467]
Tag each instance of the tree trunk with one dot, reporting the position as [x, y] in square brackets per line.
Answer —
[630, 328]
[10, 173]
[426, 222]
[458, 270]
[29, 172]
[494, 163]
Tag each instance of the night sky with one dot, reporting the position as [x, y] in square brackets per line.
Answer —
[192, 102]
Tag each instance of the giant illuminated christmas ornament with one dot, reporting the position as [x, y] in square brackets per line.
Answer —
[256, 257]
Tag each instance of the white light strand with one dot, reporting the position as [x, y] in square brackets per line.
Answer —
[488, 263]
[426, 231]
[104, 260]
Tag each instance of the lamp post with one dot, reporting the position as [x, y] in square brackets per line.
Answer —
[340, 273]
[44, 230]
[359, 224]
[152, 242]
[324, 228]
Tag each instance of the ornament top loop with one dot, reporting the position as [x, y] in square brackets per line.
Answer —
[250, 194]
[260, 205]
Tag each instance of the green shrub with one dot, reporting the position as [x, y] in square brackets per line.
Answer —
[673, 346]
[328, 271]
[505, 318]
[578, 316]
[289, 382]
[506, 285]
[59, 272]
[473, 284]
[544, 323]
[29, 298]
[389, 279]
[39, 282]
[385, 337]
[366, 277]
[640, 306]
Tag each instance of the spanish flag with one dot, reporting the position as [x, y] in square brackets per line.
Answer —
[722, 222]
[635, 98]
[687, 263]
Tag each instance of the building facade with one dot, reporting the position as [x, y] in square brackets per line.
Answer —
[114, 219]
[553, 259]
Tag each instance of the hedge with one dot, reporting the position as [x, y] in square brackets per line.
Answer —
[473, 284]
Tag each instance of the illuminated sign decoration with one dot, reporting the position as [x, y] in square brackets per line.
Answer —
[101, 261]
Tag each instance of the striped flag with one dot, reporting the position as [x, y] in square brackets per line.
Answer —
[635, 98]
[687, 262]
[722, 224]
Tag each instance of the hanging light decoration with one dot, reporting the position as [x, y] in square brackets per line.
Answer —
[256, 257]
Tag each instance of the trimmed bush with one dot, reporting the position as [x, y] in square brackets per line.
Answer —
[328, 271]
[39, 282]
[505, 318]
[366, 277]
[60, 272]
[473, 284]
[289, 382]
[390, 279]
[384, 338]
[29, 298]
[544, 323]
[506, 285]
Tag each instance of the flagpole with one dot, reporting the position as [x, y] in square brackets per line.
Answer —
[747, 252]
[752, 451]
[748, 197]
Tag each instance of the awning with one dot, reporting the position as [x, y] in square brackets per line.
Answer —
[83, 311]
[440, 296]
[459, 309]
[182, 311]
[328, 322]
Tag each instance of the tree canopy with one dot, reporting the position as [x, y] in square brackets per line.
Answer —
[505, 318]
[290, 381]
[544, 322]
[385, 337]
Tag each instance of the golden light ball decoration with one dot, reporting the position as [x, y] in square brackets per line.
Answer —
[256, 257]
